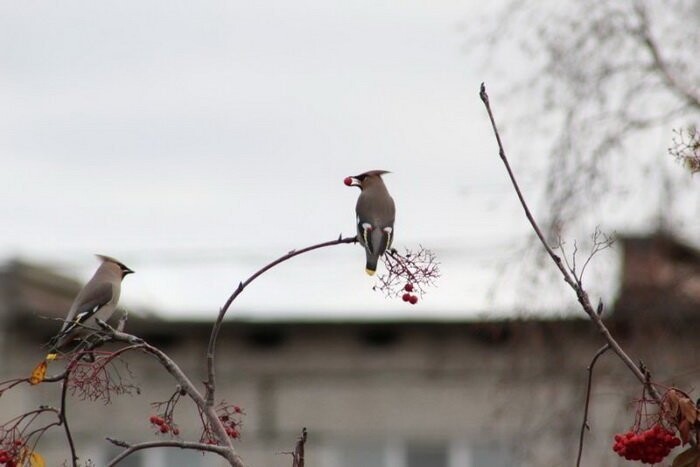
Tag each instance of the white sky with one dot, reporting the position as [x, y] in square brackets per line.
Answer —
[197, 140]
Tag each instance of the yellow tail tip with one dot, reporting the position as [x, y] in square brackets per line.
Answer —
[51, 356]
[370, 272]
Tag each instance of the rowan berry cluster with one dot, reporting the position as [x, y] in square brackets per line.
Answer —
[230, 417]
[650, 446]
[10, 453]
[408, 296]
[229, 414]
[164, 426]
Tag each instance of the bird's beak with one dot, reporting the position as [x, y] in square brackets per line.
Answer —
[351, 181]
[126, 272]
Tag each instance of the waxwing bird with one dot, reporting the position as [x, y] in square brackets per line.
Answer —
[375, 215]
[97, 299]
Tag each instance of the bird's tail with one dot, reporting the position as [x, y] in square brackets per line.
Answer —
[371, 266]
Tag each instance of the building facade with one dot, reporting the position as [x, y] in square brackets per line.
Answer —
[381, 393]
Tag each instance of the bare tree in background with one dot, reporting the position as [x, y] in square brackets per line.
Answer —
[607, 81]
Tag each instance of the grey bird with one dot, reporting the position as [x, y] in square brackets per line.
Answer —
[375, 215]
[97, 299]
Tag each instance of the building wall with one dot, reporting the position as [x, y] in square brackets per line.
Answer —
[391, 395]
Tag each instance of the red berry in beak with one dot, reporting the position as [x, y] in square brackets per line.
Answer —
[348, 181]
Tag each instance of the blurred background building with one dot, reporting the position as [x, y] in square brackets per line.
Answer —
[381, 393]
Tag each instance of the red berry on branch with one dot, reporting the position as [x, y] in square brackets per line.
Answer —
[164, 428]
[153, 419]
[237, 409]
[406, 297]
[408, 287]
[413, 299]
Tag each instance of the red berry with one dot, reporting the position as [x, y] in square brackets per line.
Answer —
[413, 299]
[153, 419]
[406, 297]
[164, 428]
[159, 421]
[237, 409]
[348, 181]
[176, 431]
[408, 287]
[19, 442]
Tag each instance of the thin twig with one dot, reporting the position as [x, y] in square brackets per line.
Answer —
[63, 420]
[299, 450]
[679, 88]
[132, 448]
[584, 424]
[581, 294]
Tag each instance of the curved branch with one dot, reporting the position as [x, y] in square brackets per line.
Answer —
[688, 94]
[211, 349]
[132, 448]
[581, 294]
[584, 423]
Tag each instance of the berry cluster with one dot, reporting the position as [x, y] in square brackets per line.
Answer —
[229, 415]
[649, 446]
[231, 425]
[9, 455]
[164, 426]
[6, 459]
[408, 296]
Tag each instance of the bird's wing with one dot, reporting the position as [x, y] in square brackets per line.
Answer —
[95, 298]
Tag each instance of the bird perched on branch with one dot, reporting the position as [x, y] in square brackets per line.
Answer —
[97, 299]
[375, 215]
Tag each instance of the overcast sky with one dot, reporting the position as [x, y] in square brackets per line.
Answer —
[196, 141]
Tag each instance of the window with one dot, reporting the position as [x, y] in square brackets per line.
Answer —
[427, 455]
[402, 453]
[366, 455]
[492, 455]
[134, 460]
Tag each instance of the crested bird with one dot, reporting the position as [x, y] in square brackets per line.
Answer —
[375, 215]
[97, 299]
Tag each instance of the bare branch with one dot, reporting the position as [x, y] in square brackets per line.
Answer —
[63, 420]
[584, 423]
[660, 64]
[299, 450]
[581, 294]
